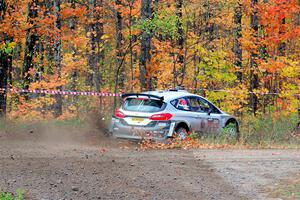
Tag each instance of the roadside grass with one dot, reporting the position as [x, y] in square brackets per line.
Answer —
[267, 130]
[255, 132]
[9, 196]
[289, 190]
[2, 124]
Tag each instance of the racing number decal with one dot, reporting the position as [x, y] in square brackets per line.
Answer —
[213, 123]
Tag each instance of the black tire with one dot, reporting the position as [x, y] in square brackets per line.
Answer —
[232, 131]
[181, 133]
[298, 129]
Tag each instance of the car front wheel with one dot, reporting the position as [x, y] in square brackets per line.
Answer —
[232, 131]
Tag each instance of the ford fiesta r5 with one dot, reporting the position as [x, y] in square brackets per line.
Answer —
[160, 115]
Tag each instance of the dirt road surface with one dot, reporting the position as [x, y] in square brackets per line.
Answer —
[86, 166]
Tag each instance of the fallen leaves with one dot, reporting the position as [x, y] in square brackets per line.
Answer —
[186, 144]
[102, 150]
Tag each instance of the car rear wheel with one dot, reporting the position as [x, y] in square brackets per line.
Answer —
[181, 133]
[232, 131]
[298, 129]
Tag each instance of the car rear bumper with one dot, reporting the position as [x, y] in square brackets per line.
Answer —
[159, 132]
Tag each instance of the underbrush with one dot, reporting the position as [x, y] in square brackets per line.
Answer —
[9, 196]
[255, 132]
[262, 131]
[2, 124]
[270, 130]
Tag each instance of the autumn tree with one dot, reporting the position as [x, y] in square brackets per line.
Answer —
[232, 52]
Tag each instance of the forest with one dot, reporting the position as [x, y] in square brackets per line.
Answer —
[244, 55]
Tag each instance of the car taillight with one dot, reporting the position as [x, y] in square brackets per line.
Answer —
[161, 117]
[119, 114]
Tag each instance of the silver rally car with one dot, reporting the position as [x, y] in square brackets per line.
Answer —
[160, 115]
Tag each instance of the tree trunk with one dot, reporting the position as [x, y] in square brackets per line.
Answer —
[180, 39]
[5, 65]
[119, 49]
[91, 50]
[2, 9]
[58, 57]
[74, 74]
[131, 46]
[96, 54]
[237, 49]
[48, 44]
[120, 69]
[31, 39]
[146, 14]
[211, 29]
[254, 82]
[282, 45]
[99, 44]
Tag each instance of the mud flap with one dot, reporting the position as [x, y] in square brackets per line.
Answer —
[171, 130]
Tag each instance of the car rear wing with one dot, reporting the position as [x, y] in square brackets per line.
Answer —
[142, 95]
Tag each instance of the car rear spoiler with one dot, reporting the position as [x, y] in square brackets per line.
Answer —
[145, 95]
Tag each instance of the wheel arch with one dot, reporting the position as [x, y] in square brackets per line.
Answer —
[233, 120]
[183, 124]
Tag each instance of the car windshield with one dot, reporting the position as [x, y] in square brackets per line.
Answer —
[143, 105]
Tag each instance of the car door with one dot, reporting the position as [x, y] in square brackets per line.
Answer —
[200, 121]
[211, 116]
[207, 117]
[184, 113]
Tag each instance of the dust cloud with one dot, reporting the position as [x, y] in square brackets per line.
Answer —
[90, 131]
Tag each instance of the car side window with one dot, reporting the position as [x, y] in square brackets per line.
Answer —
[209, 105]
[174, 102]
[181, 104]
[199, 105]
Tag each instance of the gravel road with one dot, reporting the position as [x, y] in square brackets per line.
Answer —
[91, 167]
